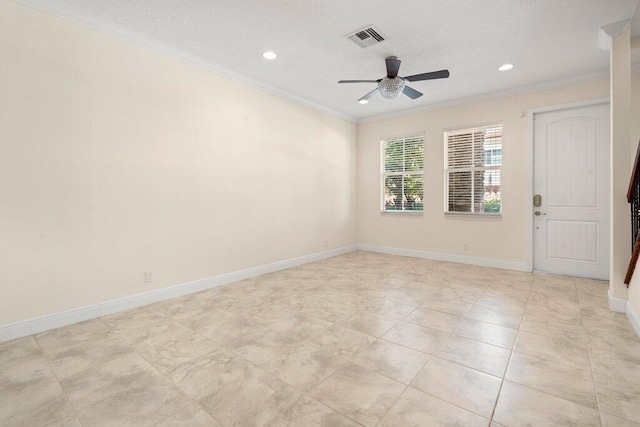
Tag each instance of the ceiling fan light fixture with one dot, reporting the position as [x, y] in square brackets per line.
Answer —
[392, 85]
[391, 88]
[269, 55]
[505, 67]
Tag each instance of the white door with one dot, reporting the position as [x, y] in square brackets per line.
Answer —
[571, 176]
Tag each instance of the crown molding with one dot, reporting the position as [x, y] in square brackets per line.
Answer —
[611, 31]
[490, 96]
[146, 42]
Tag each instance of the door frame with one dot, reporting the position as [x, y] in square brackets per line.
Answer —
[531, 139]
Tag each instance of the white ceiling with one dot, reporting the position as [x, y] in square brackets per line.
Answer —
[546, 40]
[635, 23]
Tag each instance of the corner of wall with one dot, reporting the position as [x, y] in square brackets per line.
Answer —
[619, 305]
[633, 317]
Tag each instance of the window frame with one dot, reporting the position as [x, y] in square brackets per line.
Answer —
[484, 168]
[384, 173]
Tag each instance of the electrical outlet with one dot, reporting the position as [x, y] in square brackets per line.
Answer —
[466, 247]
[148, 276]
[326, 243]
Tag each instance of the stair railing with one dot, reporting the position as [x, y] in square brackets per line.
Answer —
[633, 197]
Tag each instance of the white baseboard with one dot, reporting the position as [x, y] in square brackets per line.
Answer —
[40, 324]
[633, 318]
[618, 305]
[462, 259]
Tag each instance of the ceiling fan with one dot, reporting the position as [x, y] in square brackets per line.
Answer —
[392, 85]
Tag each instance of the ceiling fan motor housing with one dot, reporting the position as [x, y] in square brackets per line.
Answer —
[391, 88]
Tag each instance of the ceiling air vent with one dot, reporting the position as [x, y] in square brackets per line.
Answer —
[366, 37]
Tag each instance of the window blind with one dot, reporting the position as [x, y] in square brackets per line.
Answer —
[402, 164]
[473, 162]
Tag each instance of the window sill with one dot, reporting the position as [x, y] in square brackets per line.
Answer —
[475, 214]
[412, 213]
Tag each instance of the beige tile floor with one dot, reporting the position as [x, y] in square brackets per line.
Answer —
[360, 339]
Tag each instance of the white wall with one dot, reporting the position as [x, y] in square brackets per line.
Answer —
[115, 160]
[499, 239]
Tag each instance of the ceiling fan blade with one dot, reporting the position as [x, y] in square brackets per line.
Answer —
[358, 81]
[442, 74]
[393, 66]
[369, 95]
[411, 93]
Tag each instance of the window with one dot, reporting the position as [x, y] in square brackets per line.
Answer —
[402, 164]
[493, 156]
[473, 161]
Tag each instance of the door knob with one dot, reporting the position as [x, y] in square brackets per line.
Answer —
[538, 213]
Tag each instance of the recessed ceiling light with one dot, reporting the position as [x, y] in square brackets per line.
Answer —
[505, 67]
[269, 55]
[364, 101]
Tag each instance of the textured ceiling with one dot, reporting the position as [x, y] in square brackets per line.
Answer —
[635, 24]
[547, 40]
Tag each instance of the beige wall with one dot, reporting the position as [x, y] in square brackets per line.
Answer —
[620, 89]
[634, 286]
[504, 238]
[115, 160]
[635, 115]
